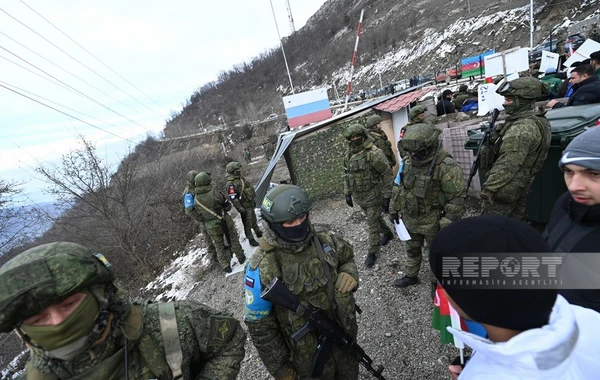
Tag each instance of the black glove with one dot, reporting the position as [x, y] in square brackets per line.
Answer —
[349, 200]
[394, 217]
[243, 214]
[385, 205]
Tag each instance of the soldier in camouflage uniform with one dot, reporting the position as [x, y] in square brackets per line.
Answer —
[247, 155]
[368, 180]
[516, 151]
[430, 196]
[61, 300]
[319, 268]
[380, 139]
[459, 98]
[415, 116]
[241, 194]
[210, 208]
[188, 205]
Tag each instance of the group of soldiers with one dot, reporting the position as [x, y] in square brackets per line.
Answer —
[209, 207]
[62, 300]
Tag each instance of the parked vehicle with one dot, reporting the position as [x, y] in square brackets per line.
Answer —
[272, 116]
[574, 40]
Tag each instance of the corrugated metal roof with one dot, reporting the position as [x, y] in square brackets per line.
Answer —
[399, 102]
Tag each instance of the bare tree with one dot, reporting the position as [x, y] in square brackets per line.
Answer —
[16, 221]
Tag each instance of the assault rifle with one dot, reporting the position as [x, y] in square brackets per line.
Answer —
[329, 333]
[486, 135]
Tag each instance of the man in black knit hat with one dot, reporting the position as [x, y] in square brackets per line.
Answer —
[532, 333]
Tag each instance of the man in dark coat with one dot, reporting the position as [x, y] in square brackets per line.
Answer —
[445, 105]
[588, 91]
[574, 225]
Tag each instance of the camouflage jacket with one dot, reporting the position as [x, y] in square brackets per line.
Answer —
[209, 206]
[241, 192]
[517, 154]
[212, 344]
[428, 203]
[458, 100]
[367, 175]
[299, 267]
[381, 141]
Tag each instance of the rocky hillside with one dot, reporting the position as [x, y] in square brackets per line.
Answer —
[399, 39]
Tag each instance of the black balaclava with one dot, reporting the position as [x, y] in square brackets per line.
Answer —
[516, 309]
[295, 234]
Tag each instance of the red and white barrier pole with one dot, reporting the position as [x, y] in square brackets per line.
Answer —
[362, 12]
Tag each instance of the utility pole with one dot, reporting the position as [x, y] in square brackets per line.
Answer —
[289, 10]
[531, 25]
[281, 44]
[362, 12]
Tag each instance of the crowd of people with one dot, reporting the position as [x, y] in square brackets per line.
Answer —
[63, 302]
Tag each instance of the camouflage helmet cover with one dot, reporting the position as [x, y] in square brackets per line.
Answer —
[373, 120]
[44, 275]
[202, 179]
[419, 137]
[284, 203]
[353, 130]
[190, 177]
[524, 88]
[415, 111]
[233, 166]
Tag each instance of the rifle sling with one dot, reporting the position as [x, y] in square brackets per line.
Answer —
[327, 271]
[207, 209]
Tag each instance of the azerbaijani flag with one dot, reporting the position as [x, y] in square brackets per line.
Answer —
[445, 315]
[473, 66]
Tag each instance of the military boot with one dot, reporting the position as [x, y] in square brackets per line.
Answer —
[386, 239]
[242, 260]
[258, 233]
[370, 260]
[253, 242]
[405, 281]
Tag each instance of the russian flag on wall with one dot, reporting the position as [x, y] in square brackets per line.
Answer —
[307, 107]
[473, 66]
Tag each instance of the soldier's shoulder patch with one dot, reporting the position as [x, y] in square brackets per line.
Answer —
[232, 191]
[328, 250]
[222, 329]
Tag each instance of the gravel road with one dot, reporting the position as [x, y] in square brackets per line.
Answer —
[394, 328]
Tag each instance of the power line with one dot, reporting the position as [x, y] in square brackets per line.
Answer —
[76, 90]
[98, 59]
[70, 73]
[66, 114]
[58, 104]
[73, 58]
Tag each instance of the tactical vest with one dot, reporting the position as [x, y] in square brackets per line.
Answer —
[304, 275]
[245, 191]
[360, 172]
[416, 195]
[208, 200]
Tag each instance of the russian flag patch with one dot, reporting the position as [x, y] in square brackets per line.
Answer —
[249, 282]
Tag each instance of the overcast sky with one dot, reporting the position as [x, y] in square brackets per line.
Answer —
[166, 49]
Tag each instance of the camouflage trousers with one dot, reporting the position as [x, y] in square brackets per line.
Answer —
[510, 210]
[414, 253]
[209, 244]
[251, 223]
[216, 234]
[375, 227]
[340, 366]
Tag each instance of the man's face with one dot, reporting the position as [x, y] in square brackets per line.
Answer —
[508, 101]
[576, 78]
[583, 184]
[56, 313]
[296, 222]
[420, 117]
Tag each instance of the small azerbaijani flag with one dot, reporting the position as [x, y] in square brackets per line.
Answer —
[444, 315]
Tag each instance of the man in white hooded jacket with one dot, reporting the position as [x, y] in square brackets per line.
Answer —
[531, 333]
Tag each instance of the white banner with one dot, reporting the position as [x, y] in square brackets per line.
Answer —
[549, 61]
[516, 60]
[489, 99]
[584, 51]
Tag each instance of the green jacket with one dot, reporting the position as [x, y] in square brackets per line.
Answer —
[519, 150]
[299, 267]
[458, 100]
[209, 206]
[428, 203]
[367, 175]
[381, 140]
[212, 344]
[553, 82]
[241, 193]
